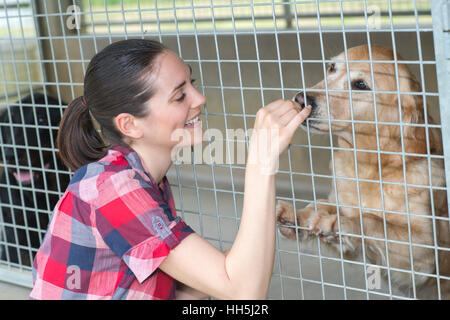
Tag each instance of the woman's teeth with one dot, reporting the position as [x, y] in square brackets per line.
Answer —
[192, 121]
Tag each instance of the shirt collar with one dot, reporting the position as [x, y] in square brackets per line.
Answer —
[136, 161]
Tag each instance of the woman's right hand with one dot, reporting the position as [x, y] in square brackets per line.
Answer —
[274, 129]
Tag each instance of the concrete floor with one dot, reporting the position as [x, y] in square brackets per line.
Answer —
[13, 292]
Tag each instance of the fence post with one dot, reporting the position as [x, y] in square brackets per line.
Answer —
[440, 13]
[288, 15]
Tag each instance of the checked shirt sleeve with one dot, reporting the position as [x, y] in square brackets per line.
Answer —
[136, 224]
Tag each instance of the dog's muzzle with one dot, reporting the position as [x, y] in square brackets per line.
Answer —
[304, 100]
[25, 177]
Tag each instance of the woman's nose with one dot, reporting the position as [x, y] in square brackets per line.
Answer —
[199, 100]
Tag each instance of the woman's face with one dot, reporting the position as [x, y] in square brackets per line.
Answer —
[174, 108]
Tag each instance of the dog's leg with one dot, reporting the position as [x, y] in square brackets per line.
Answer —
[322, 221]
[347, 235]
[310, 220]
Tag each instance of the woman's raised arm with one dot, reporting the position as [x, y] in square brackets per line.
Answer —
[245, 272]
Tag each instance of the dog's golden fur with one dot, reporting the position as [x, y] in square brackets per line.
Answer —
[387, 213]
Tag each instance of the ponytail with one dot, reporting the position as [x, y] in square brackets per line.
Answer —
[117, 80]
[78, 141]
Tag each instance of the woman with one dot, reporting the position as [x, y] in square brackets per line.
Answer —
[114, 234]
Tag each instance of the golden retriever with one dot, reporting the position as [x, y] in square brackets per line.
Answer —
[401, 231]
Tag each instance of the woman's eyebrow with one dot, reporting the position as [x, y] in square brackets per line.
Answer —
[179, 86]
[183, 83]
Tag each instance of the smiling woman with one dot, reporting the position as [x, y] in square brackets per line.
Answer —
[115, 234]
[174, 105]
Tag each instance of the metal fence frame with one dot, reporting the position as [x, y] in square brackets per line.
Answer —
[441, 21]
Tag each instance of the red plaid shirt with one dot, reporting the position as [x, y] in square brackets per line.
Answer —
[109, 233]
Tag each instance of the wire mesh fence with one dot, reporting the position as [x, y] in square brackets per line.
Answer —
[245, 54]
[204, 15]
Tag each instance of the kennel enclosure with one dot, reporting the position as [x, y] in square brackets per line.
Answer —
[244, 54]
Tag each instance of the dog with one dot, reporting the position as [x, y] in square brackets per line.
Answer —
[29, 173]
[392, 216]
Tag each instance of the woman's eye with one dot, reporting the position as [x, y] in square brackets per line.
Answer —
[181, 98]
[360, 85]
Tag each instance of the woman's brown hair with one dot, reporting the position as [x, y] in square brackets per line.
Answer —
[116, 81]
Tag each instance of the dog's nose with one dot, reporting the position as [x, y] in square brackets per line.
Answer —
[301, 97]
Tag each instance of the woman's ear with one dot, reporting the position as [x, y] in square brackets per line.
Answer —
[128, 126]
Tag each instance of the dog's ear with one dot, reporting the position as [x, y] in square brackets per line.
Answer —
[414, 137]
[5, 124]
[3, 128]
[3, 115]
[412, 111]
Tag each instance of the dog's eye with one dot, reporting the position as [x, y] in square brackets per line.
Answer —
[42, 121]
[360, 85]
[332, 67]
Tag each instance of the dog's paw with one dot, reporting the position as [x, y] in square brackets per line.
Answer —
[286, 219]
[324, 226]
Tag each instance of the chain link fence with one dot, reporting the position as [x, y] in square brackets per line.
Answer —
[244, 54]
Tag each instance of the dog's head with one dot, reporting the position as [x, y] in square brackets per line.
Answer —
[363, 91]
[27, 126]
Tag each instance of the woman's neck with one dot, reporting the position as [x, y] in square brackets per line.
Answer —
[156, 160]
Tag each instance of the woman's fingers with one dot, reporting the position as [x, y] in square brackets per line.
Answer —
[273, 115]
[275, 126]
[286, 106]
[298, 119]
[286, 133]
[280, 106]
[279, 113]
[287, 116]
[275, 105]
